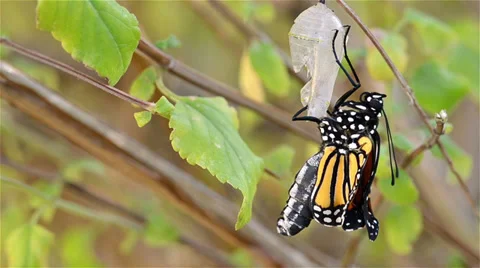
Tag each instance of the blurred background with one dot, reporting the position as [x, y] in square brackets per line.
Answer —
[426, 220]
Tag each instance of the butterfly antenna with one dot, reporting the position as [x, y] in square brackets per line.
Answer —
[391, 150]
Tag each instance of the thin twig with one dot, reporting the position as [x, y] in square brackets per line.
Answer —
[408, 90]
[84, 77]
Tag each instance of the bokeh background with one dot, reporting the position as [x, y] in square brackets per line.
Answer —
[434, 43]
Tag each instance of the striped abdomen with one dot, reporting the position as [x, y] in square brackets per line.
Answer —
[297, 214]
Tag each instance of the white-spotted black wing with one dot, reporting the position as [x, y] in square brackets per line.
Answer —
[297, 214]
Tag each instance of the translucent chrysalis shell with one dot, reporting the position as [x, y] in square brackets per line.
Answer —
[311, 46]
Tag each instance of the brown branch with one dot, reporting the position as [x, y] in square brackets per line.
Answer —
[440, 120]
[408, 90]
[252, 33]
[208, 84]
[86, 78]
[95, 201]
[137, 162]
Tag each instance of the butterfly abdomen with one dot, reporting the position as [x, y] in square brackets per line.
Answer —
[297, 214]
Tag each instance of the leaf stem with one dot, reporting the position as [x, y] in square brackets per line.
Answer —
[72, 207]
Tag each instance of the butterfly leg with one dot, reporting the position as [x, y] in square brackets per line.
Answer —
[354, 81]
[304, 118]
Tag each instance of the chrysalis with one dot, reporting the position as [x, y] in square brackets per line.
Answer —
[310, 40]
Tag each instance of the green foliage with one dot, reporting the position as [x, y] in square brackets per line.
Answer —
[75, 170]
[456, 261]
[159, 232]
[28, 246]
[164, 108]
[142, 118]
[403, 193]
[144, 85]
[264, 12]
[396, 47]
[402, 142]
[78, 248]
[249, 81]
[12, 216]
[205, 134]
[50, 189]
[280, 160]
[241, 258]
[269, 66]
[435, 36]
[463, 61]
[403, 226]
[170, 42]
[436, 88]
[461, 160]
[46, 76]
[101, 34]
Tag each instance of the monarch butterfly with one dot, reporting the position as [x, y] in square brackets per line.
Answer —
[333, 186]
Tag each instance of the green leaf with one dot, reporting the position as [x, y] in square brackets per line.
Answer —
[436, 88]
[50, 189]
[403, 226]
[170, 42]
[142, 118]
[12, 216]
[467, 31]
[28, 246]
[402, 142]
[129, 242]
[164, 108]
[160, 232]
[396, 47]
[205, 134]
[101, 34]
[463, 61]
[249, 81]
[434, 36]
[461, 160]
[46, 76]
[75, 170]
[241, 258]
[77, 248]
[280, 160]
[404, 192]
[269, 66]
[264, 12]
[456, 261]
[144, 85]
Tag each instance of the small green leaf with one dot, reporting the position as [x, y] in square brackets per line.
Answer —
[249, 81]
[144, 85]
[241, 258]
[404, 192]
[129, 242]
[461, 160]
[75, 170]
[28, 246]
[77, 248]
[270, 67]
[436, 88]
[12, 216]
[164, 108]
[434, 36]
[142, 118]
[402, 142]
[170, 42]
[463, 61]
[264, 12]
[456, 261]
[160, 232]
[280, 160]
[101, 34]
[396, 47]
[50, 189]
[205, 134]
[467, 31]
[403, 226]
